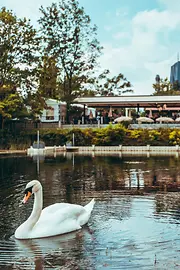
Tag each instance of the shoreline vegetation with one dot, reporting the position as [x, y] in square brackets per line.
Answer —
[110, 136]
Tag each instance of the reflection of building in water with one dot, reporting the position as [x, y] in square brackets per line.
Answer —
[75, 177]
[134, 179]
[162, 180]
[148, 178]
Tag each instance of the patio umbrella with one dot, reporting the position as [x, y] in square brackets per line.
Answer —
[145, 120]
[150, 113]
[90, 115]
[165, 120]
[122, 118]
[110, 112]
[177, 119]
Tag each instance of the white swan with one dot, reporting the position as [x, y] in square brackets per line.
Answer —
[58, 218]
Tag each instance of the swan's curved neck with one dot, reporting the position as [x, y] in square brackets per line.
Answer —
[37, 208]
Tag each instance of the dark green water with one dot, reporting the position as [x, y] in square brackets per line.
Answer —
[135, 223]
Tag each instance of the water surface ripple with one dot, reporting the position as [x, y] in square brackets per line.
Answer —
[135, 223]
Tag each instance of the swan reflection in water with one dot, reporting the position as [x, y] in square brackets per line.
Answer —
[59, 250]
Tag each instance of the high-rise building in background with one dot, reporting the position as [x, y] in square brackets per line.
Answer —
[157, 79]
[175, 74]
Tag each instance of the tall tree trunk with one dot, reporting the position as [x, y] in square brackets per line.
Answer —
[67, 112]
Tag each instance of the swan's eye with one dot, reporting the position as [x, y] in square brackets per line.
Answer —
[28, 193]
[28, 190]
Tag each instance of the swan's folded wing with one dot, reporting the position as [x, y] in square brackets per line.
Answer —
[61, 220]
[53, 208]
[61, 211]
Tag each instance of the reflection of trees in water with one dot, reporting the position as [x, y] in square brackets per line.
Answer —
[71, 180]
[78, 180]
[14, 174]
[87, 175]
[168, 204]
[11, 168]
[161, 173]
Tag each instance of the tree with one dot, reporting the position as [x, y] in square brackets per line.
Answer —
[105, 86]
[163, 87]
[48, 75]
[10, 104]
[69, 37]
[18, 61]
[18, 51]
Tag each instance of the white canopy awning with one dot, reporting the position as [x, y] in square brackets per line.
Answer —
[130, 101]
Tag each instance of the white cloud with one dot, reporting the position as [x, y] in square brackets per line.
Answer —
[171, 5]
[155, 21]
[146, 52]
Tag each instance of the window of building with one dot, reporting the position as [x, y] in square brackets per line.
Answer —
[50, 114]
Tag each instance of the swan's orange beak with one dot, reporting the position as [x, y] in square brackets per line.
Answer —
[26, 197]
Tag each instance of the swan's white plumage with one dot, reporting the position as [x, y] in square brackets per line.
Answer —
[55, 219]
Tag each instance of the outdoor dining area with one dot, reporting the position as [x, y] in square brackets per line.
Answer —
[137, 111]
[141, 120]
[149, 123]
[131, 119]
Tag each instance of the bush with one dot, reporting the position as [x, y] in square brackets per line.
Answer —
[111, 135]
[81, 136]
[54, 136]
[174, 137]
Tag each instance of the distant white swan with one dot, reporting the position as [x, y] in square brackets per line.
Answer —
[58, 218]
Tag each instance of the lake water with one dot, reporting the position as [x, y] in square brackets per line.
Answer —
[135, 223]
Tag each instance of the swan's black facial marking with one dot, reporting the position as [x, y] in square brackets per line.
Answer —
[28, 190]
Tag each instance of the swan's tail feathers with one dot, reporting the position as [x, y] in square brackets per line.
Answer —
[89, 206]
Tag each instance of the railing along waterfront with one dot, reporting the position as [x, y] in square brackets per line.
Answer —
[31, 125]
[121, 150]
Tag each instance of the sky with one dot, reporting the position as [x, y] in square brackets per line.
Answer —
[141, 38]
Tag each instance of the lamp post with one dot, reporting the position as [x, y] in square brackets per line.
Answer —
[73, 139]
[38, 139]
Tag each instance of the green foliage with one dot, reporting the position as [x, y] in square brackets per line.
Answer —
[145, 137]
[164, 87]
[48, 73]
[110, 86]
[18, 66]
[11, 106]
[54, 137]
[174, 137]
[81, 136]
[109, 136]
[18, 51]
[57, 62]
[69, 37]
